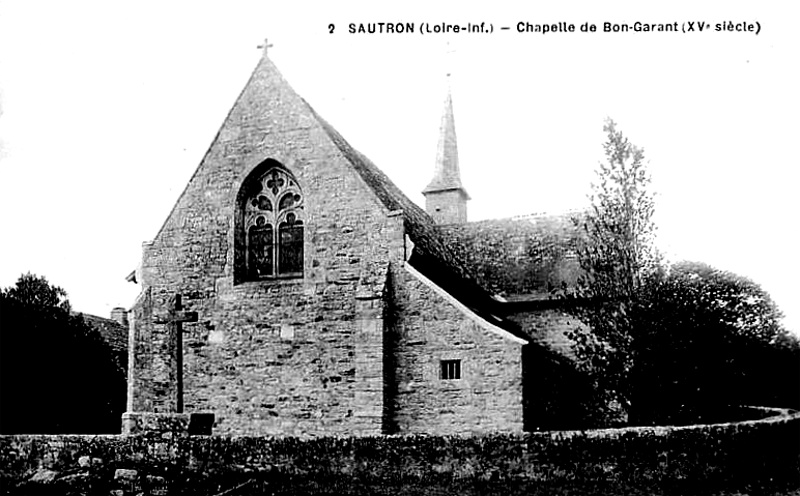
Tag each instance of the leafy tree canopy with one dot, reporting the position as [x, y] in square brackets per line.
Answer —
[668, 343]
[617, 256]
[36, 291]
[57, 374]
[618, 251]
[733, 300]
[705, 341]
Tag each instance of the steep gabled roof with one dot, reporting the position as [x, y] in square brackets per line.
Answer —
[418, 224]
[431, 256]
[531, 257]
[263, 99]
[267, 98]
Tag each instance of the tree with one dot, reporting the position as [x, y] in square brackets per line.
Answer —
[677, 345]
[36, 291]
[668, 345]
[57, 375]
[707, 341]
[617, 257]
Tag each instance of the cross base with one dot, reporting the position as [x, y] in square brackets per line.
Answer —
[166, 425]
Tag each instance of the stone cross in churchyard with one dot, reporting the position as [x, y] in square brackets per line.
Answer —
[175, 319]
[155, 382]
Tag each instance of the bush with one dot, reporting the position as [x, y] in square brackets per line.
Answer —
[57, 375]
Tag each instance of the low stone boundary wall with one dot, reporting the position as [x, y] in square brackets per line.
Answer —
[741, 453]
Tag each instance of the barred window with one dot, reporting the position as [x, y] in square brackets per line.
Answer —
[450, 369]
[273, 213]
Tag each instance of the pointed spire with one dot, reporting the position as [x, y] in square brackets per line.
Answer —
[446, 174]
[446, 198]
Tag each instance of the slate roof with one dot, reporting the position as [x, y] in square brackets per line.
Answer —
[530, 257]
[419, 225]
[453, 257]
[114, 333]
[431, 256]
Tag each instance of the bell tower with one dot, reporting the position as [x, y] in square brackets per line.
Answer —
[445, 196]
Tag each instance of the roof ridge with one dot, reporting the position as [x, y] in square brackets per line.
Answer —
[366, 169]
[93, 316]
[520, 217]
[418, 224]
[548, 214]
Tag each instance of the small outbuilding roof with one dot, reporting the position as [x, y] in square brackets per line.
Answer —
[112, 332]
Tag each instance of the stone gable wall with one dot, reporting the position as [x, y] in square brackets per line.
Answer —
[278, 356]
[307, 356]
[282, 356]
[425, 329]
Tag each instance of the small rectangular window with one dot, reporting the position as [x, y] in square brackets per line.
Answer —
[451, 369]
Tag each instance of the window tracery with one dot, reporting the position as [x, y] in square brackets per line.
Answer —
[273, 223]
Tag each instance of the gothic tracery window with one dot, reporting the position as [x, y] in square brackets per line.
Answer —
[273, 222]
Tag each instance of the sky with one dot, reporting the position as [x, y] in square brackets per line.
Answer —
[107, 108]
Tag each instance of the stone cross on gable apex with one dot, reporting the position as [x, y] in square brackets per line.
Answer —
[265, 45]
[448, 60]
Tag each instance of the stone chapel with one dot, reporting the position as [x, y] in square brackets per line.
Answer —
[295, 290]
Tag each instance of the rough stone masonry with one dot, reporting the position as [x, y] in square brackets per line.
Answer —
[323, 301]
